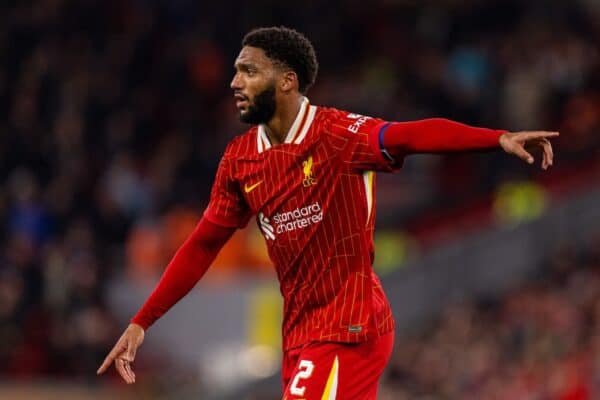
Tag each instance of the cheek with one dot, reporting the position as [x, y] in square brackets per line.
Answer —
[256, 85]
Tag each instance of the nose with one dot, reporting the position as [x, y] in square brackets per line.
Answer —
[236, 82]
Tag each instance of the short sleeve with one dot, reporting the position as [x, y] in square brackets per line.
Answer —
[364, 151]
[227, 207]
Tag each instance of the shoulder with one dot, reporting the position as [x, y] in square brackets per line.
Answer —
[344, 122]
[241, 145]
[330, 113]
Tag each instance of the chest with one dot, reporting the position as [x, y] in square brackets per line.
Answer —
[287, 176]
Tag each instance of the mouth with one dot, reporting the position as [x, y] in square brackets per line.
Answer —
[241, 100]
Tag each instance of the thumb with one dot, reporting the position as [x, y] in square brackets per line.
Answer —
[518, 150]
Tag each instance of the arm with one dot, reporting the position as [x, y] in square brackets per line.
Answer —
[186, 268]
[438, 135]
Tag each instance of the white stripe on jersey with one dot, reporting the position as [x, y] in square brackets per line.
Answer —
[259, 142]
[311, 115]
[296, 125]
[263, 139]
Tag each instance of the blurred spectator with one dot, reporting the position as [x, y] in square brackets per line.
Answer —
[539, 341]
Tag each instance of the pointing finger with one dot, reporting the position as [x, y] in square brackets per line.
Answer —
[108, 360]
[531, 135]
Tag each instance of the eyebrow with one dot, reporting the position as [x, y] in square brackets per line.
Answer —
[244, 65]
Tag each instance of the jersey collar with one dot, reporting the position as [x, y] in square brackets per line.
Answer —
[297, 131]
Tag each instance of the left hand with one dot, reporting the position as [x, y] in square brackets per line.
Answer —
[518, 143]
[123, 353]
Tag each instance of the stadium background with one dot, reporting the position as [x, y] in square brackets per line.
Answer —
[113, 116]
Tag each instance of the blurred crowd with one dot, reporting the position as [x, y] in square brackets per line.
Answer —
[114, 114]
[538, 342]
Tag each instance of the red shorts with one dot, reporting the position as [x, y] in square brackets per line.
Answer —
[336, 371]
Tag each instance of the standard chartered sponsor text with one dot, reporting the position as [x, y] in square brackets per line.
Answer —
[299, 218]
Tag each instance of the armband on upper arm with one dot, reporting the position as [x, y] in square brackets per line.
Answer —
[382, 148]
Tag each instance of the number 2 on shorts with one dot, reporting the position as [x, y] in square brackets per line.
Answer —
[306, 368]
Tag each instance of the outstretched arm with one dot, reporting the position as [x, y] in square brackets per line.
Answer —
[183, 272]
[438, 135]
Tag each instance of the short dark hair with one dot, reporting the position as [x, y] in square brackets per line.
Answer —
[288, 47]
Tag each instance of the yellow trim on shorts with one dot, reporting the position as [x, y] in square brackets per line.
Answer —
[331, 386]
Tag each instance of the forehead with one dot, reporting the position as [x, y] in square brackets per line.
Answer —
[254, 56]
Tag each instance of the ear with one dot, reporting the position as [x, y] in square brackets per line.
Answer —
[289, 81]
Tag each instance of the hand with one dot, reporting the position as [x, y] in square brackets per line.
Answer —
[517, 142]
[123, 353]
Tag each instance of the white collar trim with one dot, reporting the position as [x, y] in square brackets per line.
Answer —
[297, 131]
[296, 125]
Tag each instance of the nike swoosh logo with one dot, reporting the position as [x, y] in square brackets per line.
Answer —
[248, 189]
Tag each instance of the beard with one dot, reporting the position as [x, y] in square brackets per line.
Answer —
[262, 108]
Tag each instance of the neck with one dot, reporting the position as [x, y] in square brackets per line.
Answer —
[279, 126]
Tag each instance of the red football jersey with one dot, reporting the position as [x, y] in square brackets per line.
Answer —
[313, 198]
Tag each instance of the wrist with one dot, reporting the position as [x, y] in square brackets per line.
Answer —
[502, 137]
[137, 321]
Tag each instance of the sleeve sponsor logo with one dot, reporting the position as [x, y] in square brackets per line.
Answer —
[359, 121]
